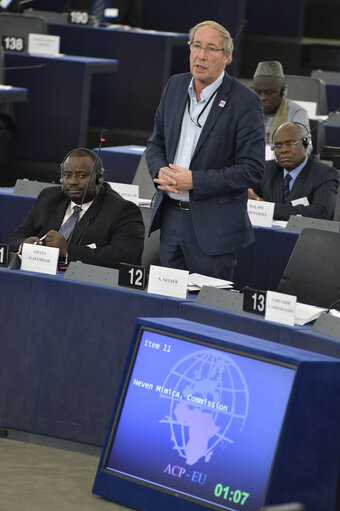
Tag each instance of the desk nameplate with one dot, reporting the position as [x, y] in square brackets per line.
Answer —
[39, 258]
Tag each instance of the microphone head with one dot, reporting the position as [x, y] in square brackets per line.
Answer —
[103, 135]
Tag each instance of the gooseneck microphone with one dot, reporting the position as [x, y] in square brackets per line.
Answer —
[19, 68]
[337, 302]
[103, 135]
[243, 25]
[317, 125]
[329, 116]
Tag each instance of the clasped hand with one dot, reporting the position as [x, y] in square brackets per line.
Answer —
[252, 195]
[53, 239]
[174, 179]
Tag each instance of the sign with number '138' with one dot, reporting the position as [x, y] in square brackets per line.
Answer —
[12, 43]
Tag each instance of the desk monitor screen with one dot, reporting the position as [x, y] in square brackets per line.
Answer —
[199, 421]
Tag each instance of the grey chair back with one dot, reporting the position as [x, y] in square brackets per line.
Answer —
[317, 130]
[313, 270]
[334, 120]
[151, 243]
[336, 216]
[306, 88]
[332, 77]
[143, 179]
[2, 74]
[147, 190]
[19, 25]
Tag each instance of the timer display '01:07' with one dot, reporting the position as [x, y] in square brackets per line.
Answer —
[235, 496]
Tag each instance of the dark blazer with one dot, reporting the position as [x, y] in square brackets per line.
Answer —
[229, 158]
[114, 224]
[317, 181]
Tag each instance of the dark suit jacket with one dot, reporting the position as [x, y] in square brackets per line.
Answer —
[317, 181]
[114, 224]
[229, 158]
[129, 11]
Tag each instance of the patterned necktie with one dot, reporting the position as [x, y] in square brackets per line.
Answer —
[67, 228]
[98, 9]
[286, 190]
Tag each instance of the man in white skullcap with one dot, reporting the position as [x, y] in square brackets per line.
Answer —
[269, 84]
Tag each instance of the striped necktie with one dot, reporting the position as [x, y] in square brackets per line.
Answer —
[286, 190]
[67, 228]
[98, 9]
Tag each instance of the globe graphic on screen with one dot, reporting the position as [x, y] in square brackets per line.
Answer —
[208, 404]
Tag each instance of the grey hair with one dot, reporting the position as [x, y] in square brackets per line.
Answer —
[228, 45]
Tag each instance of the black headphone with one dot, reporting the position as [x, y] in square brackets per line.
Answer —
[307, 139]
[283, 90]
[99, 164]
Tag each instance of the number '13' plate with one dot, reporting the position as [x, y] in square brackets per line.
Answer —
[254, 301]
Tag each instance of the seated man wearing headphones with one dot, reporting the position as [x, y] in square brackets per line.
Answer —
[84, 218]
[269, 84]
[298, 184]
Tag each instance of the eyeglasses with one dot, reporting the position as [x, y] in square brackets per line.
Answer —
[278, 147]
[196, 48]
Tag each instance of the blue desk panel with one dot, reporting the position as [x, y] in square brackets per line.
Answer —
[55, 119]
[62, 351]
[13, 209]
[333, 96]
[332, 135]
[146, 61]
[64, 344]
[120, 163]
[253, 325]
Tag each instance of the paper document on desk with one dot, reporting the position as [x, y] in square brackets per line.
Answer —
[279, 223]
[146, 203]
[306, 313]
[196, 281]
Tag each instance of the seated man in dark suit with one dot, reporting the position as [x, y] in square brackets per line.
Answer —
[108, 230]
[298, 184]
